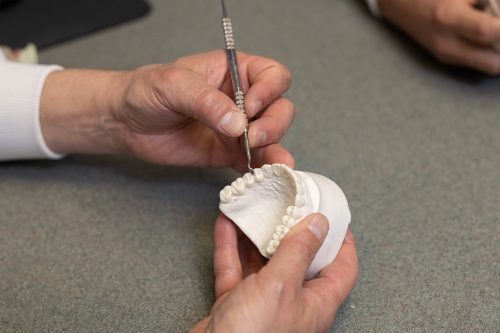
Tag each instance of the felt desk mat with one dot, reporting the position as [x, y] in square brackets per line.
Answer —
[48, 22]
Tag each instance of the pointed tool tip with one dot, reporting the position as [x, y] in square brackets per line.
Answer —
[223, 5]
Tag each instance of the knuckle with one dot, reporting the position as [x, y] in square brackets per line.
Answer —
[227, 272]
[492, 68]
[287, 75]
[441, 50]
[273, 287]
[304, 249]
[484, 32]
[288, 105]
[206, 101]
[172, 74]
[288, 108]
[441, 15]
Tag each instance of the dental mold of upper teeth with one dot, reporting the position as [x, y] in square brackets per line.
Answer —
[267, 204]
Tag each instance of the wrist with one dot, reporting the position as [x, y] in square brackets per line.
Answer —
[76, 111]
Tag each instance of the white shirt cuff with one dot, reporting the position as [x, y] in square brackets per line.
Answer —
[20, 94]
[373, 6]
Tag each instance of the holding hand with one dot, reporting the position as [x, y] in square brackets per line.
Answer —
[256, 297]
[176, 114]
[453, 30]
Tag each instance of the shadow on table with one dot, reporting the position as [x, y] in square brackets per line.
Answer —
[93, 168]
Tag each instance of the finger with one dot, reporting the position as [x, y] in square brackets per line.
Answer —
[274, 153]
[273, 124]
[337, 279]
[227, 266]
[187, 93]
[296, 251]
[251, 259]
[472, 24]
[461, 52]
[268, 81]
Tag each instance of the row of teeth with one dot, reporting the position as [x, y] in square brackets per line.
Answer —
[240, 185]
[293, 215]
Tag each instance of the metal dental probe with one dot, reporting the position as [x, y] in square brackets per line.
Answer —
[239, 98]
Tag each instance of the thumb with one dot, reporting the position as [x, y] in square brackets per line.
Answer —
[193, 97]
[297, 250]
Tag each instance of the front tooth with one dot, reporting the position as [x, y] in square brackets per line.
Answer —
[238, 186]
[277, 170]
[267, 170]
[249, 179]
[294, 212]
[259, 175]
[226, 194]
[276, 236]
[288, 221]
[300, 201]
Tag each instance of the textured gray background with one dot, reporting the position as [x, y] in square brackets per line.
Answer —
[97, 244]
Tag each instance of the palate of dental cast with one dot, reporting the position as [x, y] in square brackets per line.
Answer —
[267, 204]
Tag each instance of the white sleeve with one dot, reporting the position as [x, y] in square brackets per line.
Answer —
[373, 6]
[20, 93]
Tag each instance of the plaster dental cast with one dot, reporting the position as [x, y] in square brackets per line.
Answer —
[181, 114]
[265, 205]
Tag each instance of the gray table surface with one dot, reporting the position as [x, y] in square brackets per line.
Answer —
[99, 244]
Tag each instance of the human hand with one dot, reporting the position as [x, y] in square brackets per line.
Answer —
[253, 296]
[175, 114]
[454, 31]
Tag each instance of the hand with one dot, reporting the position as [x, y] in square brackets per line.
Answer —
[175, 114]
[256, 297]
[453, 30]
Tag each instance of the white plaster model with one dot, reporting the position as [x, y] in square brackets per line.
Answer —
[265, 205]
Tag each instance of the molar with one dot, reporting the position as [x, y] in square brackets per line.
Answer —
[259, 175]
[282, 230]
[277, 170]
[288, 221]
[226, 194]
[267, 169]
[294, 212]
[249, 179]
[238, 187]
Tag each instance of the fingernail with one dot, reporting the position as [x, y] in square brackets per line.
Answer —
[232, 123]
[258, 139]
[256, 108]
[318, 226]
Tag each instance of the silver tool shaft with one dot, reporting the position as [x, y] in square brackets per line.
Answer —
[239, 97]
